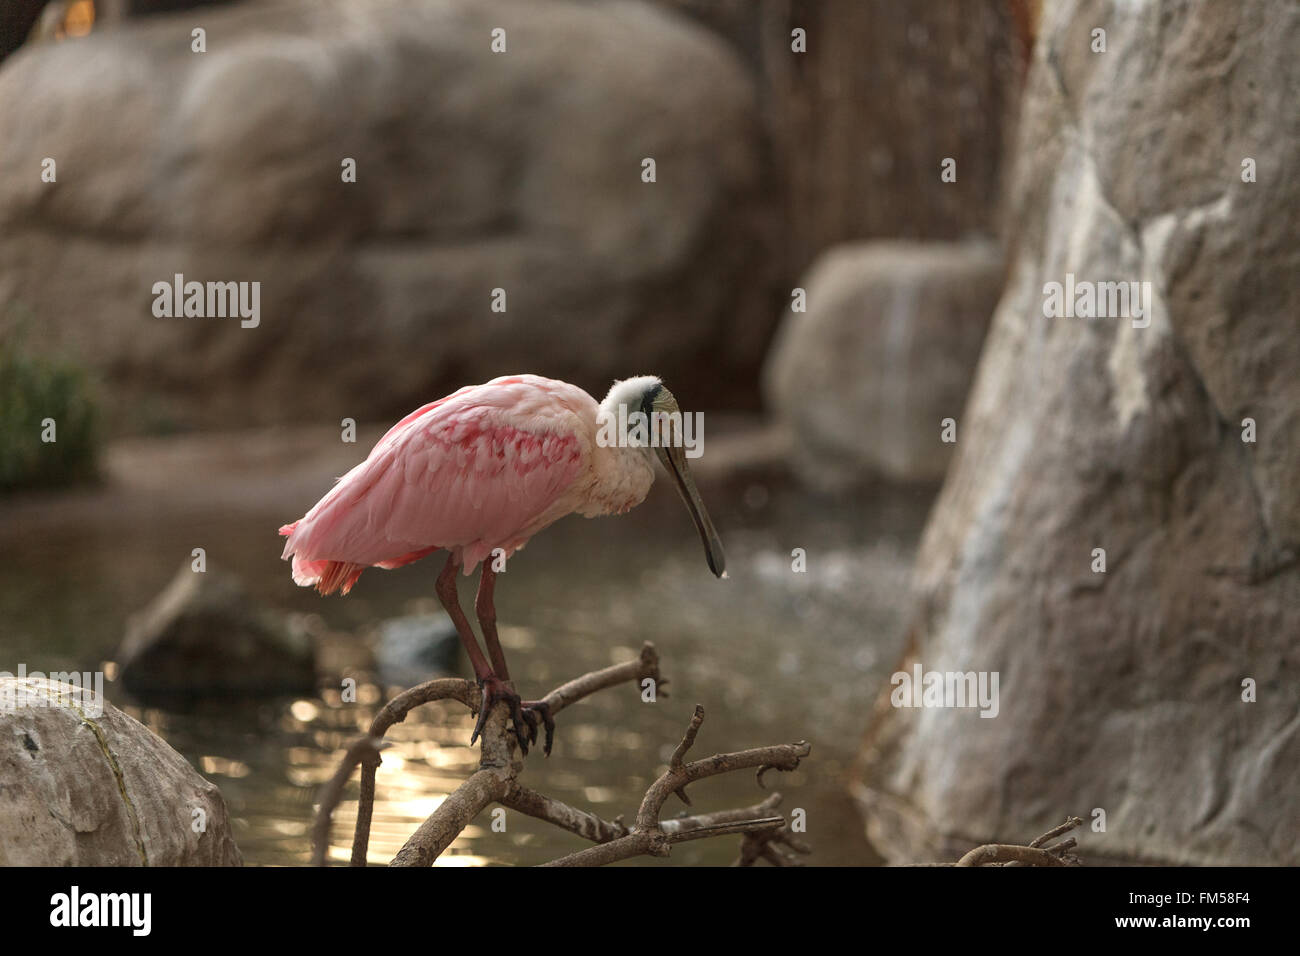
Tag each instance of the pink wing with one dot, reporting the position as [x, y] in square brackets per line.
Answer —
[478, 470]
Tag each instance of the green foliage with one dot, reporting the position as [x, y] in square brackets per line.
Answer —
[34, 389]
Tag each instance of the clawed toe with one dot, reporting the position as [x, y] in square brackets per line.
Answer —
[539, 708]
[524, 715]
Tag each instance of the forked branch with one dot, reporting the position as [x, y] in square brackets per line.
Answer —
[496, 782]
[1038, 852]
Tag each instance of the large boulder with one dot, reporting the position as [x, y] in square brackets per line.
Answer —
[475, 171]
[203, 637]
[884, 353]
[81, 787]
[1127, 690]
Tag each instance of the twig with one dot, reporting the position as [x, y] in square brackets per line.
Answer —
[762, 825]
[584, 824]
[446, 688]
[1035, 854]
[393, 712]
[779, 847]
[650, 838]
[1069, 824]
[686, 823]
[779, 756]
[1007, 853]
[363, 749]
[645, 666]
[453, 815]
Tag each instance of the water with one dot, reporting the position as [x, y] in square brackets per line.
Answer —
[774, 656]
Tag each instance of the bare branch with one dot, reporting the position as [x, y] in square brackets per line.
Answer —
[780, 756]
[761, 825]
[1035, 854]
[495, 781]
[653, 843]
[364, 749]
[650, 838]
[647, 665]
[1069, 824]
[1006, 853]
[688, 740]
[584, 824]
[452, 816]
[684, 824]
[446, 688]
[365, 812]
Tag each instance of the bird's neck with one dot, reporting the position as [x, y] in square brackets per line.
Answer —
[621, 478]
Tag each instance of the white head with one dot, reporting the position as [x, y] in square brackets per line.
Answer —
[646, 394]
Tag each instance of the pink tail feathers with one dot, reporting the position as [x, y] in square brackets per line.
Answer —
[326, 576]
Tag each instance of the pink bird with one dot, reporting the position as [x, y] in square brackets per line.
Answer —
[480, 472]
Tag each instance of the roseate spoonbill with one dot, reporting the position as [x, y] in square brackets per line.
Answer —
[488, 467]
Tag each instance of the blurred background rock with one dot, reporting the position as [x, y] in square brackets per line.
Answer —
[476, 171]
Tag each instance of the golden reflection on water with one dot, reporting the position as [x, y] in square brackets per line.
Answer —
[299, 745]
[427, 758]
[774, 657]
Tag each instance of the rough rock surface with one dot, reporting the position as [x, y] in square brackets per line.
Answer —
[476, 171]
[884, 353]
[81, 790]
[1123, 690]
[202, 637]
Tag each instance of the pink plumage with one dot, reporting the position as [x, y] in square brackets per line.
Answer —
[484, 468]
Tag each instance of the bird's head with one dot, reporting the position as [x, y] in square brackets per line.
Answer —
[658, 429]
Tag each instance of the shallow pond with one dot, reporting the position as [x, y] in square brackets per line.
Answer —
[773, 655]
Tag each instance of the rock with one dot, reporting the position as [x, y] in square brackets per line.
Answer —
[475, 171]
[1123, 691]
[414, 649]
[84, 790]
[884, 93]
[202, 637]
[885, 351]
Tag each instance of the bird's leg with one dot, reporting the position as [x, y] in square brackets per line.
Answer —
[487, 619]
[485, 607]
[494, 687]
[450, 599]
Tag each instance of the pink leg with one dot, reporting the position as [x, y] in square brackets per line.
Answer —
[450, 599]
[494, 688]
[487, 619]
[484, 606]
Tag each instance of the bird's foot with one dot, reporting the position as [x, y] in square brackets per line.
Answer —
[494, 689]
[533, 711]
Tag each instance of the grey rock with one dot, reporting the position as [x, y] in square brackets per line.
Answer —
[83, 790]
[475, 171]
[886, 350]
[414, 649]
[1123, 690]
[203, 637]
